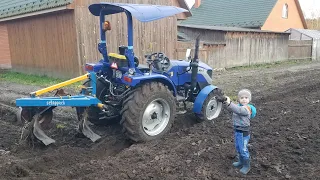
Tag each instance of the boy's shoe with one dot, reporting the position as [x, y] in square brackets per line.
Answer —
[246, 166]
[238, 163]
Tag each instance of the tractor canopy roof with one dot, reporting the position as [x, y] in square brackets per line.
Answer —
[143, 12]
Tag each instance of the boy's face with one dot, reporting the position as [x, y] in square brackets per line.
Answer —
[244, 100]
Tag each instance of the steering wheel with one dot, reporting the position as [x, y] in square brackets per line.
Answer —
[159, 61]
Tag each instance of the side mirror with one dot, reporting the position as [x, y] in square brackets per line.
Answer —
[188, 54]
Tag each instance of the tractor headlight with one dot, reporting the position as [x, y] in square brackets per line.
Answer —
[118, 74]
[209, 72]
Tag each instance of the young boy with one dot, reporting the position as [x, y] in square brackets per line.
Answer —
[241, 121]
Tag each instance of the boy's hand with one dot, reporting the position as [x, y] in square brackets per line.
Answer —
[227, 100]
[220, 98]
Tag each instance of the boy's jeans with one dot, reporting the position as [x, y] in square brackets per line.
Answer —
[241, 143]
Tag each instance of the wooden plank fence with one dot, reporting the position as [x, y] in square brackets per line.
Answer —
[5, 58]
[240, 50]
[44, 44]
[300, 49]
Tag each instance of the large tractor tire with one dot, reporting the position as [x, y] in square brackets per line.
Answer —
[211, 107]
[148, 113]
[95, 115]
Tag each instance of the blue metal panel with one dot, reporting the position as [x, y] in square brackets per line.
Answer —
[187, 64]
[129, 52]
[143, 12]
[93, 83]
[185, 78]
[55, 101]
[154, 77]
[180, 77]
[197, 106]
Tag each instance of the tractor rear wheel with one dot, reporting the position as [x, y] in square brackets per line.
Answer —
[148, 113]
[95, 115]
[211, 107]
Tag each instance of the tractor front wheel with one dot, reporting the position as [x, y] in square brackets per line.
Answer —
[211, 107]
[148, 113]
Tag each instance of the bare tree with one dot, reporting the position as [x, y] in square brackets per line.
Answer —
[314, 21]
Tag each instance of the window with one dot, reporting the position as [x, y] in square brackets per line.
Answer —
[285, 11]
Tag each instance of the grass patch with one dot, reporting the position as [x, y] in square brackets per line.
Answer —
[33, 80]
[272, 65]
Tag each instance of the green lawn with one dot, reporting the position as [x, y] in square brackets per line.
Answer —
[34, 80]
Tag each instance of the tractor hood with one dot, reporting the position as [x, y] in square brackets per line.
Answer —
[182, 63]
[143, 12]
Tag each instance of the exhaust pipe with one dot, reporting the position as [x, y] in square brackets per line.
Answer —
[194, 69]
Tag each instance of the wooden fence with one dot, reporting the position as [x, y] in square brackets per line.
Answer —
[5, 58]
[240, 50]
[300, 49]
[44, 44]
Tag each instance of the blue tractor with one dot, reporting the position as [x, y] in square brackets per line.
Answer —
[143, 98]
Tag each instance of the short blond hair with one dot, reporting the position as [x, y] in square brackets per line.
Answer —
[245, 92]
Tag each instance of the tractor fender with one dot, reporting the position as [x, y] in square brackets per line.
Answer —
[203, 94]
[162, 79]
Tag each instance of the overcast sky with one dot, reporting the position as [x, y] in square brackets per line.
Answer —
[309, 7]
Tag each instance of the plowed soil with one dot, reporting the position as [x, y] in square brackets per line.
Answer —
[285, 141]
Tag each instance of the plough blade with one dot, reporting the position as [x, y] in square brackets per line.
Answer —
[24, 115]
[34, 128]
[84, 127]
[39, 133]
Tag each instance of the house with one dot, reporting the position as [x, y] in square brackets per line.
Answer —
[309, 42]
[271, 15]
[5, 59]
[224, 47]
[56, 38]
